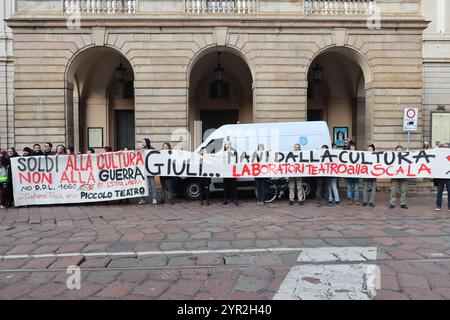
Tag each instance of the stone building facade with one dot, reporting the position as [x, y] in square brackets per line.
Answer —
[355, 64]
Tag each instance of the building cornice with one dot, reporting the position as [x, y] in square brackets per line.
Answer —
[175, 20]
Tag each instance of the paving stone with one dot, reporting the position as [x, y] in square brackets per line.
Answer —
[24, 234]
[103, 277]
[151, 288]
[243, 244]
[198, 244]
[274, 228]
[178, 236]
[201, 235]
[116, 290]
[154, 261]
[268, 259]
[267, 243]
[182, 261]
[167, 246]
[123, 263]
[120, 247]
[250, 284]
[219, 244]
[239, 260]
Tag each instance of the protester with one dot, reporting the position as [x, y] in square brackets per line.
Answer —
[70, 150]
[90, 151]
[352, 186]
[48, 146]
[4, 182]
[37, 150]
[107, 149]
[204, 183]
[369, 184]
[441, 184]
[260, 184]
[333, 191]
[296, 182]
[396, 185]
[146, 145]
[26, 152]
[60, 150]
[322, 186]
[11, 153]
[166, 182]
[230, 184]
[425, 145]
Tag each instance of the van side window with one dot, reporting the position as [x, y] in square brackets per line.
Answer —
[214, 146]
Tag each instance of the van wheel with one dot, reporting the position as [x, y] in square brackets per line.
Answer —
[191, 190]
[308, 188]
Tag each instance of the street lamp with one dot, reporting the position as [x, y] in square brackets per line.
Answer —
[317, 72]
[120, 72]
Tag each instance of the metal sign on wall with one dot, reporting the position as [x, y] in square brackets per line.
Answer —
[410, 119]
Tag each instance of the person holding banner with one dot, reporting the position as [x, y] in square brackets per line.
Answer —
[11, 153]
[146, 145]
[441, 184]
[322, 186]
[333, 190]
[296, 182]
[204, 183]
[37, 150]
[371, 184]
[352, 185]
[398, 184]
[26, 152]
[4, 182]
[260, 183]
[61, 150]
[230, 184]
[166, 182]
[48, 146]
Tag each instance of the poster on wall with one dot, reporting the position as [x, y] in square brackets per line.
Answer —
[440, 128]
[78, 178]
[95, 137]
[340, 134]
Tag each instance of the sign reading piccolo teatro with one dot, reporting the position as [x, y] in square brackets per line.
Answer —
[122, 175]
[79, 178]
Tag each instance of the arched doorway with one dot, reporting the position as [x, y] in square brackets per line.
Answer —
[220, 92]
[100, 100]
[339, 89]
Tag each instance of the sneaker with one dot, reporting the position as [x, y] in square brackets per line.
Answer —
[330, 204]
[302, 203]
[291, 203]
[372, 205]
[350, 202]
[2, 207]
[437, 209]
[142, 201]
[337, 203]
[404, 206]
[357, 203]
[236, 203]
[364, 204]
[391, 206]
[154, 201]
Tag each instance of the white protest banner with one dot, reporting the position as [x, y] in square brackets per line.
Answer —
[315, 163]
[78, 178]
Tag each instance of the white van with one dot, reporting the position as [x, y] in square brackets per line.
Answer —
[279, 136]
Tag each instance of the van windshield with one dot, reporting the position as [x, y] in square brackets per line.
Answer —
[214, 146]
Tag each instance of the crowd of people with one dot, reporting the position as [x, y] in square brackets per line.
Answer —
[327, 188]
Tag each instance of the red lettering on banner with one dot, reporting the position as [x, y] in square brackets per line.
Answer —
[378, 170]
[424, 167]
[139, 159]
[245, 170]
[235, 174]
[36, 177]
[256, 171]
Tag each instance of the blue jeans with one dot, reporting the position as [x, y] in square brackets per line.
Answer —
[352, 189]
[260, 189]
[443, 183]
[333, 190]
[151, 187]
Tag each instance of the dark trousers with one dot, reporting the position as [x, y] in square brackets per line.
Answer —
[260, 189]
[4, 195]
[229, 189]
[204, 189]
[322, 188]
[441, 184]
[166, 189]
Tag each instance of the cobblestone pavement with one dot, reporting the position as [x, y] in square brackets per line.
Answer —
[188, 251]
